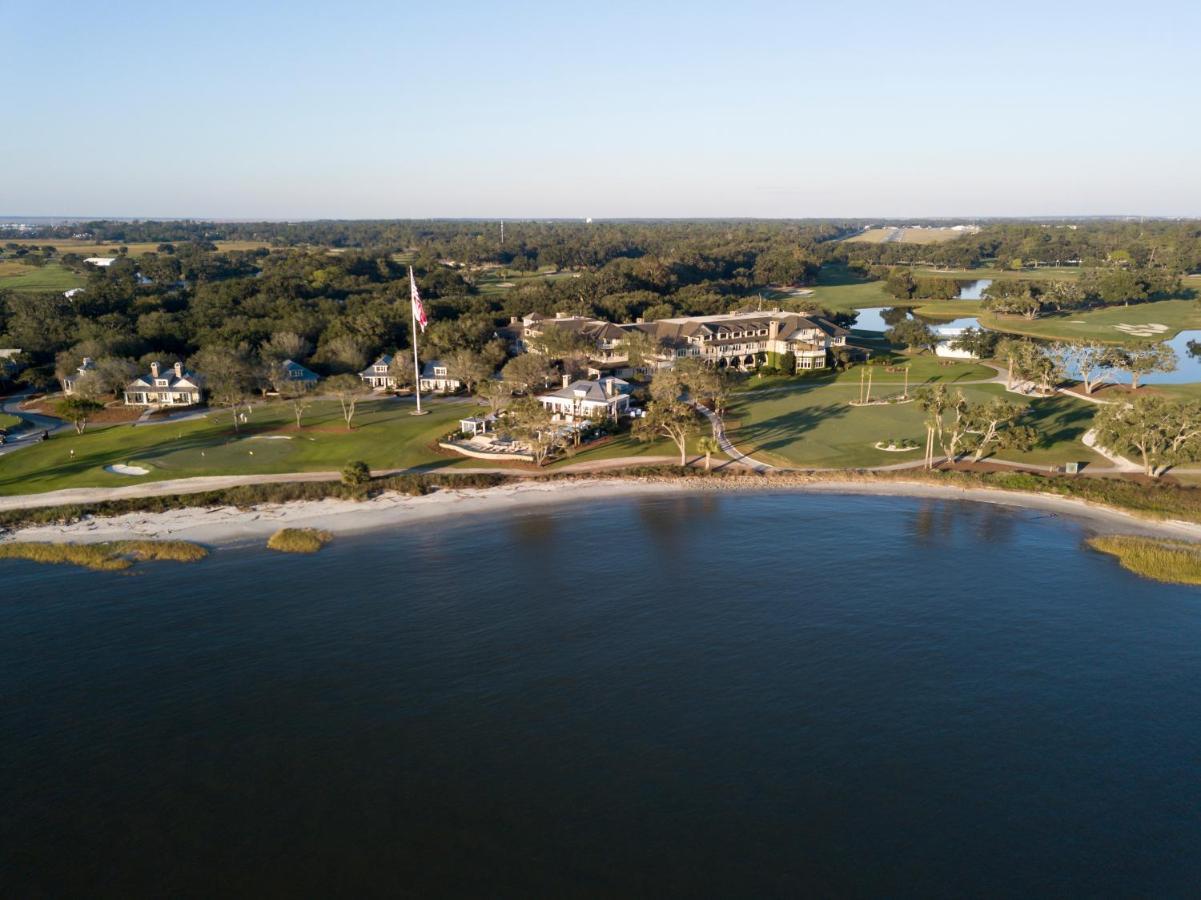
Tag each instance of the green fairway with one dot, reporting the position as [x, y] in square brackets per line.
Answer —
[1101, 324]
[498, 281]
[947, 309]
[839, 290]
[29, 279]
[813, 426]
[385, 436]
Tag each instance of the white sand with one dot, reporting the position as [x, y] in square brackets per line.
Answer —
[229, 525]
[119, 469]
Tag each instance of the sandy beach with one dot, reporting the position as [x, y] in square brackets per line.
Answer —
[228, 525]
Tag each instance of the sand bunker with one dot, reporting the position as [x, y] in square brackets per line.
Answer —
[1151, 329]
[119, 469]
[271, 437]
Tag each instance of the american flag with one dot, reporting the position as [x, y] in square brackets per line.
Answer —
[418, 308]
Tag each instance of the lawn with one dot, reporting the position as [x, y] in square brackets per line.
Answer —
[813, 425]
[1100, 324]
[17, 276]
[385, 436]
[924, 369]
[623, 445]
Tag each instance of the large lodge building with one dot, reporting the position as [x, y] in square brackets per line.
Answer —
[740, 340]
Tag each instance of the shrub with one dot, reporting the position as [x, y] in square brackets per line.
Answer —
[356, 473]
[298, 540]
[109, 556]
[1175, 562]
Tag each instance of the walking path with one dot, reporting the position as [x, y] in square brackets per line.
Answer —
[34, 424]
[727, 447]
[198, 485]
[1120, 463]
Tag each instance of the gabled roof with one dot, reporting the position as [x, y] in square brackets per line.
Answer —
[296, 370]
[593, 391]
[188, 381]
[427, 371]
[385, 360]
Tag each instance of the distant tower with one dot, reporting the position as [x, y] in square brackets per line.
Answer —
[502, 232]
[588, 221]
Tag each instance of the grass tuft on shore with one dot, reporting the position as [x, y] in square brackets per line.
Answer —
[111, 556]
[1173, 562]
[299, 540]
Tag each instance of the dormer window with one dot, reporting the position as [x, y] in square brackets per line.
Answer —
[160, 382]
[440, 371]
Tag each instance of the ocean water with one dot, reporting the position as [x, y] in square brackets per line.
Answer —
[693, 696]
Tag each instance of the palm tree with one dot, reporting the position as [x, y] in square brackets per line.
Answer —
[708, 446]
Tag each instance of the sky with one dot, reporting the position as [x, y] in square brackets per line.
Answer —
[303, 110]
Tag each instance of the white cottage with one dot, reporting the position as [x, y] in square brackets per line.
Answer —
[605, 398]
[165, 387]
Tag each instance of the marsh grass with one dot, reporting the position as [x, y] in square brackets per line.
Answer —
[111, 556]
[299, 540]
[1174, 562]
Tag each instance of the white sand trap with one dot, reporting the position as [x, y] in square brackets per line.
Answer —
[271, 437]
[1151, 329]
[119, 469]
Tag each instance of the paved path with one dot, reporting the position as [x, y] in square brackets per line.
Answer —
[138, 489]
[1120, 463]
[34, 424]
[727, 447]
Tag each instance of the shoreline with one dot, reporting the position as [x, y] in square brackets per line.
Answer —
[231, 526]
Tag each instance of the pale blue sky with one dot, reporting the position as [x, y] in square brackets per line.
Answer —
[455, 108]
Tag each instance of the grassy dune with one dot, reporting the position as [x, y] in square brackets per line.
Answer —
[111, 556]
[1174, 562]
[298, 540]
[906, 235]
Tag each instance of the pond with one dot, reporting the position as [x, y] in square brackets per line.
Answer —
[875, 318]
[1188, 366]
[974, 290]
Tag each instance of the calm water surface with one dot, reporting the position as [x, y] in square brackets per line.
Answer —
[735, 696]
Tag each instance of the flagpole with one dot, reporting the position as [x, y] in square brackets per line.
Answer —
[416, 365]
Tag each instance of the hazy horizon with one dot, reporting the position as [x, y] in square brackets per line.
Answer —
[533, 111]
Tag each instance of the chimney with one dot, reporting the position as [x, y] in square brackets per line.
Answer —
[639, 320]
[566, 379]
[773, 330]
[154, 369]
[512, 320]
[610, 388]
[178, 369]
[560, 315]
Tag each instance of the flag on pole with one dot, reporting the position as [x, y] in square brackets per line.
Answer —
[418, 308]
